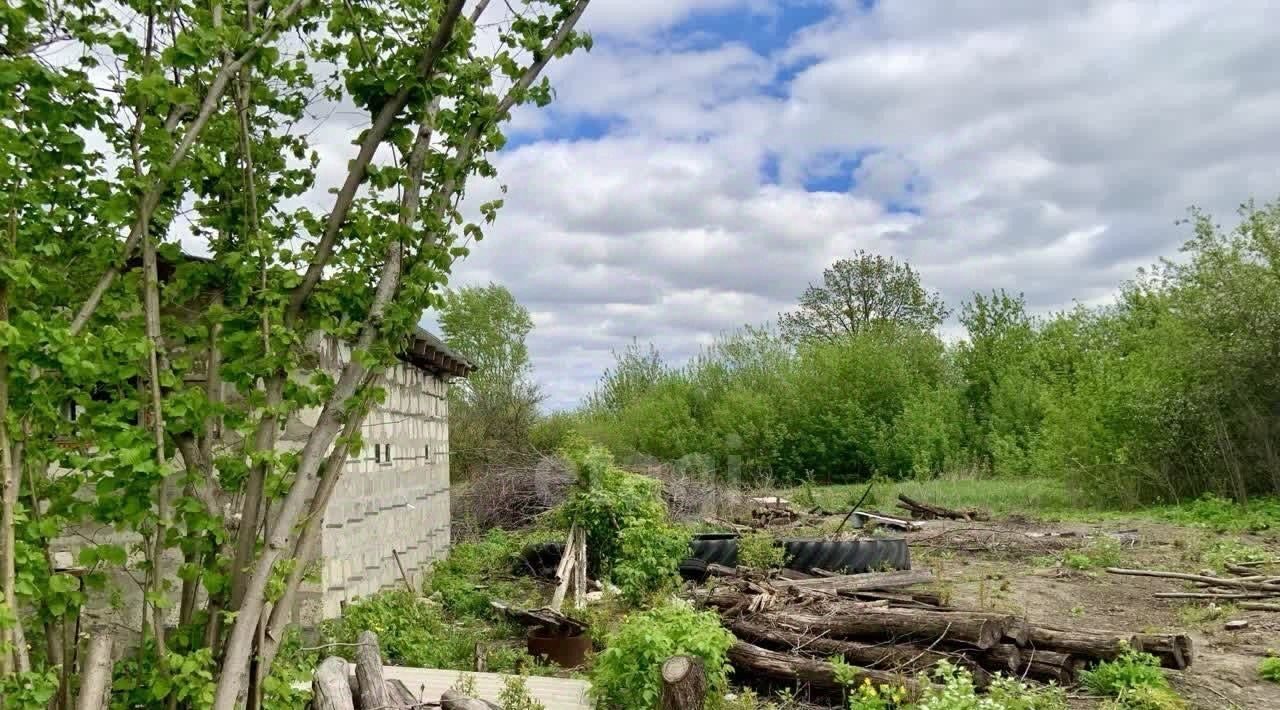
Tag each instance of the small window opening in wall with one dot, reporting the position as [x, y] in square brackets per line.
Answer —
[386, 453]
[71, 410]
[426, 452]
[377, 453]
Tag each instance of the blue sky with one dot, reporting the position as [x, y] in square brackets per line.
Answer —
[709, 157]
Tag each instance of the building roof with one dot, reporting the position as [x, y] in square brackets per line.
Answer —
[430, 353]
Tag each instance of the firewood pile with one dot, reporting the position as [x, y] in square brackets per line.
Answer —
[1247, 587]
[787, 629]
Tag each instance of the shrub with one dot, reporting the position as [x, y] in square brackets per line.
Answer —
[1131, 670]
[1269, 668]
[954, 690]
[625, 520]
[628, 673]
[1101, 552]
[456, 579]
[759, 549]
[515, 695]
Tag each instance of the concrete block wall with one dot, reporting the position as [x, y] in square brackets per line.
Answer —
[394, 496]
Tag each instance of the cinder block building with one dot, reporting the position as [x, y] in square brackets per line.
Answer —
[393, 499]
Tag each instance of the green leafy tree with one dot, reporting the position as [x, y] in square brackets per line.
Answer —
[155, 384]
[492, 411]
[860, 293]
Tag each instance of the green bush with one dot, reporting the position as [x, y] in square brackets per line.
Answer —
[625, 520]
[950, 687]
[628, 673]
[413, 632]
[465, 581]
[759, 549]
[1269, 669]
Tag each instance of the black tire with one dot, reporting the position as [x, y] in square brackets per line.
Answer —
[718, 548]
[848, 556]
[694, 570]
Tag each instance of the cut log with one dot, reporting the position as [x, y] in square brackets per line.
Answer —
[1258, 606]
[95, 678]
[330, 689]
[371, 689]
[1174, 650]
[861, 518]
[893, 624]
[921, 600]
[1213, 581]
[751, 660]
[400, 696]
[1052, 667]
[454, 700]
[1002, 658]
[1212, 595]
[684, 683]
[549, 619]
[927, 511]
[900, 658]
[860, 582]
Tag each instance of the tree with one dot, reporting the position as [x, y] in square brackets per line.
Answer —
[859, 293]
[181, 371]
[491, 412]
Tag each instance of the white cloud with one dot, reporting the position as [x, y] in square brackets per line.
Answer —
[1049, 149]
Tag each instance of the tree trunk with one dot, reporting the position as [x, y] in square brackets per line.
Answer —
[751, 660]
[927, 511]
[902, 658]
[95, 678]
[1173, 650]
[684, 683]
[1050, 666]
[8, 496]
[893, 624]
[860, 582]
[330, 689]
[371, 688]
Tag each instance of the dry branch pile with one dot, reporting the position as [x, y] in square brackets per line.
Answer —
[787, 628]
[926, 511]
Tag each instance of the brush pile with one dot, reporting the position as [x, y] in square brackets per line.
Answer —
[1248, 587]
[788, 629]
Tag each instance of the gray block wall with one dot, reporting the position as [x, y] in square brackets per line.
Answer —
[394, 496]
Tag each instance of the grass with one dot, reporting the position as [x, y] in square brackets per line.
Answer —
[1047, 498]
[1269, 669]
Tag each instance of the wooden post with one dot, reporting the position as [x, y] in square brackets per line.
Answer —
[371, 689]
[684, 683]
[330, 689]
[95, 679]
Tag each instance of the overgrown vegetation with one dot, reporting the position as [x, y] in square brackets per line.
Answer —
[1166, 395]
[950, 687]
[760, 549]
[1133, 681]
[1269, 668]
[628, 673]
[629, 537]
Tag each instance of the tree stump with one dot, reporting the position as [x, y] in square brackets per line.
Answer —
[330, 689]
[371, 689]
[684, 683]
[454, 700]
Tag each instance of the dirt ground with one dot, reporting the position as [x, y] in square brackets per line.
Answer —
[1010, 564]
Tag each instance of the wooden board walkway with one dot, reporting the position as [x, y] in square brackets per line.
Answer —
[555, 693]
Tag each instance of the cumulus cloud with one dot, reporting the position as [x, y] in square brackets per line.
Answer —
[1043, 148]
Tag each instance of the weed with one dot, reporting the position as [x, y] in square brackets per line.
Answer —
[1100, 552]
[515, 695]
[1134, 681]
[1224, 515]
[759, 549]
[465, 684]
[457, 579]
[1195, 614]
[1224, 552]
[1269, 668]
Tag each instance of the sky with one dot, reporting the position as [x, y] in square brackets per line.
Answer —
[708, 158]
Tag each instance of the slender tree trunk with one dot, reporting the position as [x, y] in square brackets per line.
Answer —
[151, 303]
[17, 658]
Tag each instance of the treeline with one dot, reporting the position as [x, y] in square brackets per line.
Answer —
[1171, 392]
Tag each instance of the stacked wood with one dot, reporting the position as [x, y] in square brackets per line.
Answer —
[787, 628]
[771, 510]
